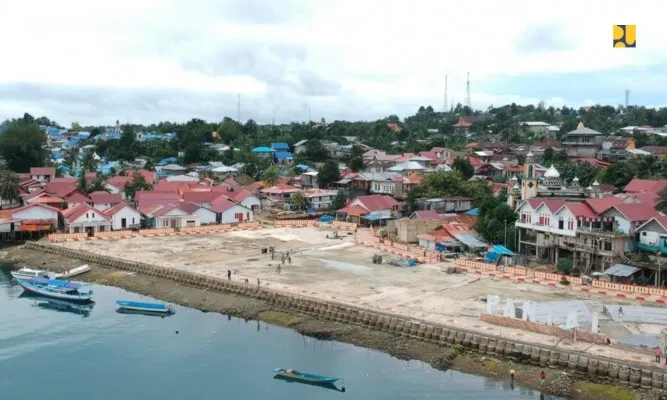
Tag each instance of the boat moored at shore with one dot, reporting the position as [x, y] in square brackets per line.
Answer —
[144, 307]
[29, 273]
[305, 377]
[57, 289]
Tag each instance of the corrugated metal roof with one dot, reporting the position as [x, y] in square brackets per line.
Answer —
[469, 240]
[621, 270]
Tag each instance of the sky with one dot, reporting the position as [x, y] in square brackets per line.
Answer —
[145, 61]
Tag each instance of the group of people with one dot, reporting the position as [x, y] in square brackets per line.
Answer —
[283, 257]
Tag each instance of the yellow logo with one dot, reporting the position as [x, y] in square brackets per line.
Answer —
[625, 35]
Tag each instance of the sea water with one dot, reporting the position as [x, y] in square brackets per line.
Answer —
[57, 351]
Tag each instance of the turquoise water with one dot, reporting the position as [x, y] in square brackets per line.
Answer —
[54, 351]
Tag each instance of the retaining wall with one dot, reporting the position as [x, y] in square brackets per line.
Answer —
[597, 369]
[544, 329]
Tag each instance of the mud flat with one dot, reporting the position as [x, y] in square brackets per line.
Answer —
[586, 378]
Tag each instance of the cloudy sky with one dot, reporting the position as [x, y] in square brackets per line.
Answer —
[145, 61]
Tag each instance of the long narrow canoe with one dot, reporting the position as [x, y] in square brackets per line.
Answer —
[144, 306]
[306, 377]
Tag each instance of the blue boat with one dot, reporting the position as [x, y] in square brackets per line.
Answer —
[304, 377]
[57, 289]
[144, 307]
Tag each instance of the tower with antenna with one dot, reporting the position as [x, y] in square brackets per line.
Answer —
[627, 99]
[238, 109]
[468, 92]
[444, 103]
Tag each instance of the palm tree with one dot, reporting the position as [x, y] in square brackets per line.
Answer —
[647, 166]
[88, 162]
[9, 185]
[270, 176]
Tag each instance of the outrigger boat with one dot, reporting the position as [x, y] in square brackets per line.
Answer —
[29, 273]
[144, 307]
[57, 289]
[292, 375]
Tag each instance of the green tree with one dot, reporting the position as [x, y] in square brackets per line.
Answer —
[149, 166]
[128, 138]
[564, 265]
[76, 127]
[339, 200]
[97, 185]
[9, 185]
[315, 151]
[88, 161]
[22, 146]
[464, 167]
[137, 183]
[356, 163]
[662, 201]
[270, 176]
[328, 174]
[298, 201]
[82, 182]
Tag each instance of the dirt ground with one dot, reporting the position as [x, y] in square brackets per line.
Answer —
[333, 268]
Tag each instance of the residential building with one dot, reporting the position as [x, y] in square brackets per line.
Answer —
[42, 174]
[247, 200]
[263, 151]
[369, 210]
[105, 200]
[582, 142]
[34, 218]
[169, 216]
[652, 235]
[319, 198]
[300, 146]
[539, 127]
[205, 214]
[85, 219]
[122, 216]
[41, 197]
[280, 146]
[284, 158]
[445, 205]
[309, 179]
[229, 212]
[171, 169]
[203, 198]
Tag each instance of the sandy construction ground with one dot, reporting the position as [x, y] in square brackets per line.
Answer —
[331, 268]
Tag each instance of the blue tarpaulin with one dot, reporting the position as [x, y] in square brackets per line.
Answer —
[500, 249]
[474, 211]
[326, 218]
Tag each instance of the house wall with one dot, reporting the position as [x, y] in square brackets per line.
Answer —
[90, 219]
[177, 221]
[252, 203]
[103, 206]
[407, 230]
[36, 213]
[131, 217]
[229, 216]
[321, 201]
[206, 216]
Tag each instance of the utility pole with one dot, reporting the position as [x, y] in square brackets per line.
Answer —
[309, 119]
[627, 99]
[505, 241]
[444, 104]
[468, 92]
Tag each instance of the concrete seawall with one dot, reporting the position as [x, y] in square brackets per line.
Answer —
[586, 367]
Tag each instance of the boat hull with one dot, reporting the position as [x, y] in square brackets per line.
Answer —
[74, 272]
[27, 274]
[156, 308]
[305, 377]
[55, 294]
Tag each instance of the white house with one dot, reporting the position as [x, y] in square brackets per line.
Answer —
[171, 216]
[206, 215]
[247, 200]
[105, 200]
[230, 212]
[84, 218]
[320, 198]
[122, 216]
[9, 203]
[35, 217]
[42, 174]
[653, 235]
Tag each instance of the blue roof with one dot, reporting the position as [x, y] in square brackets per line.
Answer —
[279, 146]
[56, 283]
[52, 131]
[300, 142]
[168, 160]
[113, 135]
[84, 134]
[303, 167]
[262, 150]
[284, 155]
[500, 249]
[63, 167]
[58, 154]
[474, 211]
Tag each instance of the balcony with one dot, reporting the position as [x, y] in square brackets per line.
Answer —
[545, 229]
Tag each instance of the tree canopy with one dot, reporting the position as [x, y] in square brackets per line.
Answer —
[22, 146]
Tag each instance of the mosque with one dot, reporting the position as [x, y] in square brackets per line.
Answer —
[550, 185]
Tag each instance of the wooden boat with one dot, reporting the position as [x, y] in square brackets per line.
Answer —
[57, 289]
[49, 303]
[144, 307]
[304, 377]
[29, 273]
[73, 272]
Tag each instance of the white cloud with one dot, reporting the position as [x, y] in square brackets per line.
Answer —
[346, 58]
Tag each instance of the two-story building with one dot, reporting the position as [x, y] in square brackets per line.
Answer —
[85, 219]
[42, 174]
[319, 199]
[582, 142]
[369, 210]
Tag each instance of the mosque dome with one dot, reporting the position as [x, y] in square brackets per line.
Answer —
[552, 172]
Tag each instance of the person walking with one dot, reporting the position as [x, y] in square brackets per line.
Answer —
[279, 268]
[542, 377]
[229, 274]
[658, 353]
[289, 260]
[512, 375]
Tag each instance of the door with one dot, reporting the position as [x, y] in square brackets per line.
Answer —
[123, 223]
[90, 231]
[173, 223]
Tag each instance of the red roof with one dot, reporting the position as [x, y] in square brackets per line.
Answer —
[149, 176]
[60, 189]
[241, 195]
[660, 219]
[462, 123]
[636, 212]
[375, 202]
[553, 205]
[71, 214]
[191, 208]
[144, 198]
[581, 210]
[476, 162]
[353, 210]
[119, 182]
[426, 214]
[645, 185]
[50, 171]
[29, 206]
[602, 205]
[280, 189]
[171, 187]
[63, 180]
[592, 161]
[76, 196]
[105, 197]
[200, 196]
[116, 209]
[222, 204]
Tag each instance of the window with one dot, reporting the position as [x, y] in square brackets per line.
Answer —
[643, 233]
[607, 246]
[561, 223]
[87, 216]
[570, 224]
[238, 216]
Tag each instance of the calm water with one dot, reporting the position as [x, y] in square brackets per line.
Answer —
[50, 350]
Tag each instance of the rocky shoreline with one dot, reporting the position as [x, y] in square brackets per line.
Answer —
[559, 383]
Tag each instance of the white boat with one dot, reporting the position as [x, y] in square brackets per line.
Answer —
[29, 273]
[73, 272]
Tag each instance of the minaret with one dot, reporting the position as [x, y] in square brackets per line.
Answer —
[529, 182]
[513, 193]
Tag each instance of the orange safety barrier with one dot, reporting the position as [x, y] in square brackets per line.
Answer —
[62, 237]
